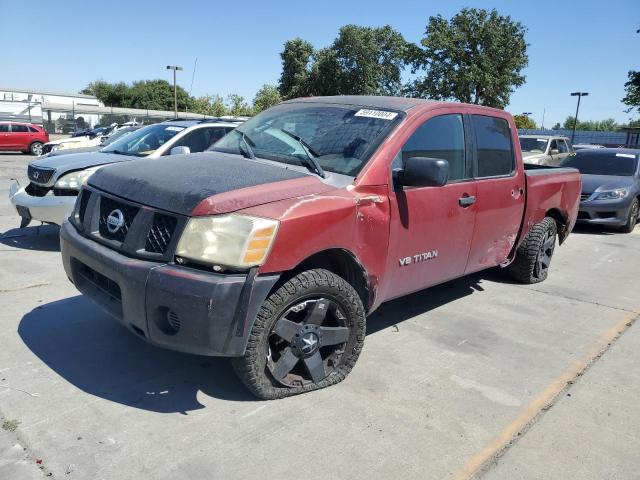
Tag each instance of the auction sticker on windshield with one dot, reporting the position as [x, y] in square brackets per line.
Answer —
[381, 114]
[174, 129]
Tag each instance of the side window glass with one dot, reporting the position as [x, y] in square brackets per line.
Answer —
[562, 146]
[439, 137]
[19, 128]
[33, 130]
[493, 143]
[4, 128]
[553, 146]
[197, 141]
[215, 134]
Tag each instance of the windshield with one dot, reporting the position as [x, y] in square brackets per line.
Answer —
[144, 141]
[117, 135]
[341, 138]
[538, 145]
[592, 163]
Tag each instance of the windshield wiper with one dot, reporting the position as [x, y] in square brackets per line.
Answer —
[311, 163]
[245, 141]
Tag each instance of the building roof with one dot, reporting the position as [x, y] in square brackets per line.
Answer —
[47, 92]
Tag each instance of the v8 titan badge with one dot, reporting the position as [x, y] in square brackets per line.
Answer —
[420, 257]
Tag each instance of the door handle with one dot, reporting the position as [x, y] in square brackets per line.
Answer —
[466, 201]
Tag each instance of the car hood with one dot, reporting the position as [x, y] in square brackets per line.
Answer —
[79, 161]
[591, 183]
[68, 140]
[71, 151]
[205, 183]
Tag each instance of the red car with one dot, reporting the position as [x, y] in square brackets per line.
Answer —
[273, 246]
[22, 137]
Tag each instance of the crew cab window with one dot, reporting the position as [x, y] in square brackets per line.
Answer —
[493, 142]
[440, 137]
[19, 128]
[4, 128]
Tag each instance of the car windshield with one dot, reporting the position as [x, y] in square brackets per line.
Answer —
[538, 145]
[144, 141]
[341, 138]
[597, 163]
[117, 135]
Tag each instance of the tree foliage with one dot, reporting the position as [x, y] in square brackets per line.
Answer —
[606, 125]
[144, 94]
[360, 61]
[266, 97]
[632, 89]
[524, 121]
[476, 57]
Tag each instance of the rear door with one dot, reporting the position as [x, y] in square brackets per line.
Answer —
[432, 227]
[5, 140]
[19, 136]
[500, 186]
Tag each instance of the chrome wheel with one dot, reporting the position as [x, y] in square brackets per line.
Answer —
[36, 148]
[544, 255]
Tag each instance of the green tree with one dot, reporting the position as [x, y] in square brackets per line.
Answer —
[524, 121]
[632, 89]
[606, 125]
[209, 105]
[157, 95]
[236, 105]
[476, 57]
[296, 57]
[266, 97]
[110, 94]
[557, 126]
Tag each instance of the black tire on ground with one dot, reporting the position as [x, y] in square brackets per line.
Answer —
[632, 217]
[314, 302]
[533, 256]
[36, 148]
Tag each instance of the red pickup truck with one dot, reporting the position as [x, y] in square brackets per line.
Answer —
[275, 245]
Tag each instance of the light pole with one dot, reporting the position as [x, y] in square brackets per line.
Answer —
[575, 119]
[175, 68]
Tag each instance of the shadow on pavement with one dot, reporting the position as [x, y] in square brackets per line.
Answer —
[585, 229]
[93, 352]
[44, 238]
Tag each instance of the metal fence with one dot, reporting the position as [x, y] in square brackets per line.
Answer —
[608, 139]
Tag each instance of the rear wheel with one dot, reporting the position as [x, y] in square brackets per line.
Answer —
[533, 256]
[307, 335]
[632, 218]
[36, 148]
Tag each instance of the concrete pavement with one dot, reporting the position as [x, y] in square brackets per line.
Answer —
[444, 372]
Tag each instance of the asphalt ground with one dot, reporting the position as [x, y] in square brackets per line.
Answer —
[479, 377]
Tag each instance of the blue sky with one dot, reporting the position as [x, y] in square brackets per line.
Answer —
[574, 45]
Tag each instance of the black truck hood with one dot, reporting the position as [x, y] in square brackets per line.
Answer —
[180, 182]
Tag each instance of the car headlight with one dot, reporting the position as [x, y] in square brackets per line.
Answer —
[55, 147]
[74, 180]
[235, 241]
[612, 194]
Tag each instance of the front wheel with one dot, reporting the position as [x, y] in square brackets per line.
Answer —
[533, 256]
[36, 148]
[632, 218]
[307, 335]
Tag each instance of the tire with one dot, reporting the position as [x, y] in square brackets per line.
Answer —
[324, 315]
[533, 256]
[632, 217]
[36, 148]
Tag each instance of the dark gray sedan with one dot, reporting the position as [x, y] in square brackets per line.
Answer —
[610, 186]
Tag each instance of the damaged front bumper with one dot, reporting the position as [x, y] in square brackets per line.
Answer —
[49, 208]
[171, 306]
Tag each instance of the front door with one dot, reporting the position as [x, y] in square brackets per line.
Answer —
[19, 137]
[500, 186]
[432, 227]
[5, 140]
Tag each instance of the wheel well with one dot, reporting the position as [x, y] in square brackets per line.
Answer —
[561, 223]
[339, 261]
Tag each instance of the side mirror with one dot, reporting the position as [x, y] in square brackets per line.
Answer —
[554, 151]
[180, 151]
[423, 172]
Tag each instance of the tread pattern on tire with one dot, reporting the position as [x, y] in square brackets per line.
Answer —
[523, 267]
[251, 368]
[631, 223]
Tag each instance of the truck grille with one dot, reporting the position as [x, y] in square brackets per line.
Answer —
[160, 233]
[109, 206]
[143, 232]
[39, 175]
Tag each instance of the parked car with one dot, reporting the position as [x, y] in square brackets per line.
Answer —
[22, 137]
[545, 149]
[90, 138]
[610, 186]
[105, 141]
[55, 180]
[272, 247]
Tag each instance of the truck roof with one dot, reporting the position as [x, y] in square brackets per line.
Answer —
[372, 101]
[547, 137]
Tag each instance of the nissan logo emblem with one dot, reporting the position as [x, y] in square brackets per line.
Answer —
[115, 221]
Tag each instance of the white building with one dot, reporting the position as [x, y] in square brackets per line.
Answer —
[58, 112]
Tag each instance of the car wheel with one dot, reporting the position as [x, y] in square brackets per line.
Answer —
[533, 256]
[632, 218]
[307, 335]
[36, 148]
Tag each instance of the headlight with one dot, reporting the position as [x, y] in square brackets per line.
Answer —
[236, 241]
[55, 147]
[612, 194]
[74, 180]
